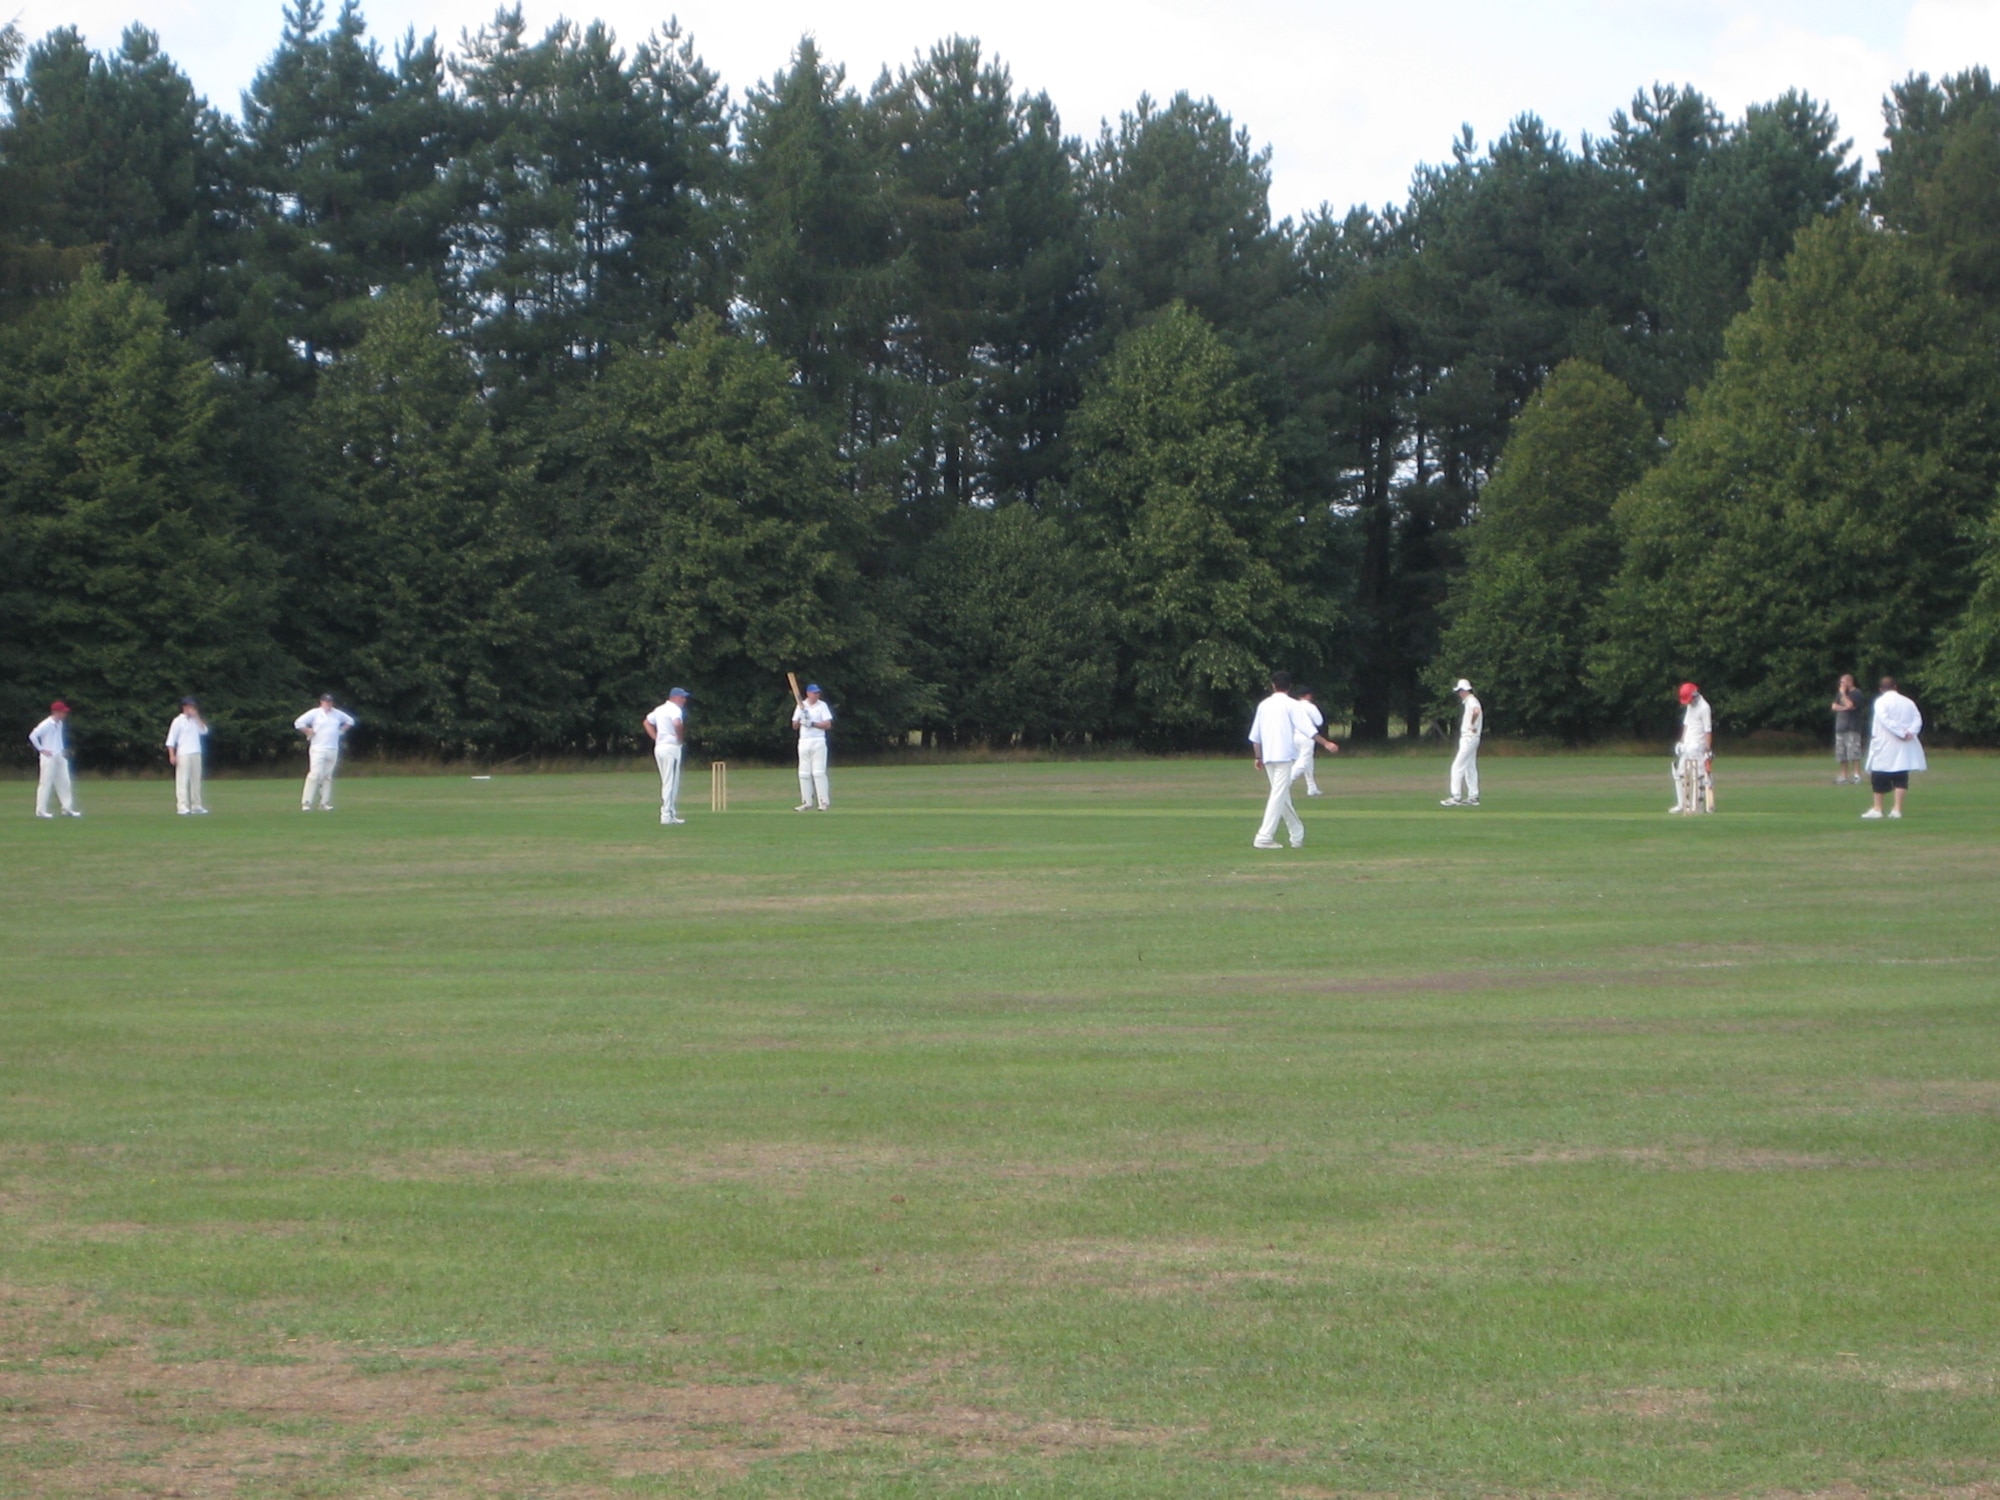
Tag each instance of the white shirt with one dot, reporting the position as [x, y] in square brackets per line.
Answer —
[670, 721]
[184, 735]
[1472, 722]
[47, 736]
[1697, 725]
[1276, 730]
[812, 719]
[1309, 720]
[326, 726]
[1892, 743]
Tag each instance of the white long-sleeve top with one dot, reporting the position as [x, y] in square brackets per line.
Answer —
[326, 726]
[1275, 730]
[47, 737]
[184, 735]
[1893, 744]
[1471, 720]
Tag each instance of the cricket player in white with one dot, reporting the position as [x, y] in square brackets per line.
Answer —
[813, 719]
[666, 726]
[1894, 749]
[1274, 750]
[184, 742]
[1311, 721]
[323, 728]
[51, 743]
[1465, 765]
[1694, 756]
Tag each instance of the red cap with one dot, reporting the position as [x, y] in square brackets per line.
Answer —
[1688, 692]
[58, 707]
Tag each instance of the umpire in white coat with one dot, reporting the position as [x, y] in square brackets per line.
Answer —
[1894, 747]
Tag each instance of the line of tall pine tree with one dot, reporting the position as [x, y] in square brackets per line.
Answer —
[493, 389]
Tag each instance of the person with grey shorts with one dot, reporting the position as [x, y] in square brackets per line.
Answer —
[1849, 703]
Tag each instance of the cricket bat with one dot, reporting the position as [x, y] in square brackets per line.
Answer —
[793, 679]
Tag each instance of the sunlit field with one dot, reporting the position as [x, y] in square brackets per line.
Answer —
[1008, 1130]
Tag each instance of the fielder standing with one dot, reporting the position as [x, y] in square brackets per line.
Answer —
[184, 745]
[1311, 721]
[1697, 745]
[813, 719]
[1464, 789]
[324, 727]
[1274, 750]
[51, 742]
[666, 727]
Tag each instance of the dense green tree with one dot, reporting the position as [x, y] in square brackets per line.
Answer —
[1018, 641]
[345, 158]
[1175, 492]
[1815, 510]
[118, 157]
[1939, 179]
[595, 195]
[1540, 553]
[431, 602]
[125, 577]
[704, 519]
[1180, 210]
[1963, 677]
[818, 248]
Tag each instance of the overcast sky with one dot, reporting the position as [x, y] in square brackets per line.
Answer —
[1351, 94]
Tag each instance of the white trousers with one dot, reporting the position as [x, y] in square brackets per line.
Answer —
[668, 759]
[813, 785]
[1280, 806]
[54, 786]
[319, 779]
[1465, 770]
[187, 782]
[1303, 767]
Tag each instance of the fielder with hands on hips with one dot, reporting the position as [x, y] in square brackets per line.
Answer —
[184, 744]
[666, 727]
[1464, 787]
[323, 728]
[813, 718]
[51, 743]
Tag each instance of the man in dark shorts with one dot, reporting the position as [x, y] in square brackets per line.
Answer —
[1849, 703]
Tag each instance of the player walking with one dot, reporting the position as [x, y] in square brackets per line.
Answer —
[666, 727]
[1311, 721]
[813, 718]
[184, 745]
[1464, 789]
[324, 728]
[1274, 750]
[1694, 756]
[51, 742]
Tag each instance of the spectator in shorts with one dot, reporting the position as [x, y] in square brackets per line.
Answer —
[1894, 749]
[1849, 703]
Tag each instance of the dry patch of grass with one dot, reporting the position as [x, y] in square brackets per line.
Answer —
[95, 1409]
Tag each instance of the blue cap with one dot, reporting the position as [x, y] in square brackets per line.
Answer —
[812, 687]
[189, 703]
[679, 693]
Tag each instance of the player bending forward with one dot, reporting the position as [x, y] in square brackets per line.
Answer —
[1694, 756]
[812, 719]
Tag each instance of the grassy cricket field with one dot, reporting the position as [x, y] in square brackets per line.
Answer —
[1010, 1130]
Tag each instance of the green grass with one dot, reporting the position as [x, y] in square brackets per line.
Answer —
[1012, 1130]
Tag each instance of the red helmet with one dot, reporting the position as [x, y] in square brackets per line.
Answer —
[1689, 692]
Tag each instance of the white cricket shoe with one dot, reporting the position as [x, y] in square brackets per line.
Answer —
[1895, 813]
[50, 816]
[803, 807]
[1263, 843]
[1873, 812]
[1450, 802]
[70, 812]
